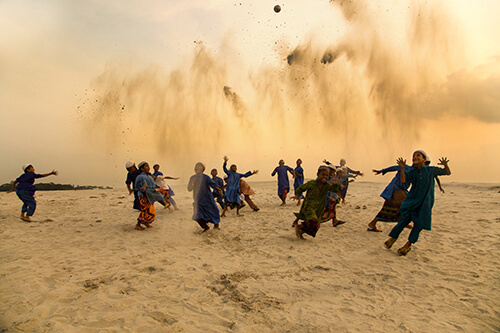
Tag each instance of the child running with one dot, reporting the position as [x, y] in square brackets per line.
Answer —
[148, 193]
[204, 207]
[25, 190]
[171, 193]
[232, 195]
[283, 183]
[132, 174]
[417, 206]
[298, 175]
[219, 196]
[347, 170]
[393, 194]
[314, 203]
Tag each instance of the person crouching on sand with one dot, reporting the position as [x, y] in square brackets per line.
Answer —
[417, 206]
[25, 190]
[314, 203]
[204, 207]
[148, 193]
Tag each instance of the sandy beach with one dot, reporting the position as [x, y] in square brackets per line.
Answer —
[81, 267]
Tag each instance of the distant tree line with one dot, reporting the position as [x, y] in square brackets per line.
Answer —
[56, 187]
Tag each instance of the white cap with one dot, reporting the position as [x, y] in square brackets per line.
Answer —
[26, 166]
[129, 164]
[141, 164]
[423, 154]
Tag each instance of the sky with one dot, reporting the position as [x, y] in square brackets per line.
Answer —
[87, 85]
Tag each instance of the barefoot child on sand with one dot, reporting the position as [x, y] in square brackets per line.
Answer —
[314, 203]
[204, 207]
[232, 195]
[148, 193]
[25, 190]
[417, 206]
[298, 175]
[283, 182]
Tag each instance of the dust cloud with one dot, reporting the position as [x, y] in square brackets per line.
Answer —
[393, 68]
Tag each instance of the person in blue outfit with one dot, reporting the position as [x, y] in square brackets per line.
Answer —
[417, 206]
[132, 174]
[393, 194]
[219, 196]
[298, 175]
[283, 183]
[204, 207]
[232, 195]
[171, 193]
[25, 190]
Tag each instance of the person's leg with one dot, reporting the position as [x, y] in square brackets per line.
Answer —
[30, 200]
[372, 226]
[203, 224]
[396, 231]
[224, 210]
[412, 239]
[137, 204]
[251, 203]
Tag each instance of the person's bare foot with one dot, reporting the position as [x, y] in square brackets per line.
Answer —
[205, 229]
[138, 227]
[26, 218]
[147, 224]
[22, 216]
[216, 226]
[298, 231]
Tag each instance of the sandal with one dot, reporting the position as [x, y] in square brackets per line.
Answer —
[373, 229]
[404, 251]
[388, 243]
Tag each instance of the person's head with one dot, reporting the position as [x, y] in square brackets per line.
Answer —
[323, 173]
[299, 161]
[233, 167]
[28, 168]
[419, 158]
[281, 162]
[144, 167]
[130, 166]
[156, 167]
[214, 172]
[340, 172]
[199, 168]
[331, 171]
[342, 162]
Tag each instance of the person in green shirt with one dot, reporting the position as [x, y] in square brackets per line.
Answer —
[314, 203]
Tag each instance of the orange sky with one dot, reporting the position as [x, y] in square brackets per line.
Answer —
[406, 75]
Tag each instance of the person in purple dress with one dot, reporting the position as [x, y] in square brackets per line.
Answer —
[204, 207]
[283, 183]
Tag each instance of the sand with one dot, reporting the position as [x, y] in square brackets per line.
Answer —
[81, 267]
